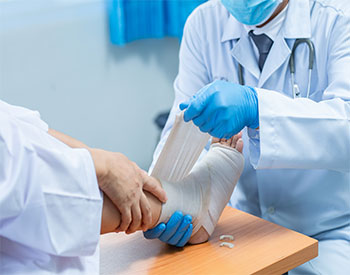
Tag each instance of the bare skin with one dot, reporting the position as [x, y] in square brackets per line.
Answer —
[123, 182]
[111, 216]
[106, 163]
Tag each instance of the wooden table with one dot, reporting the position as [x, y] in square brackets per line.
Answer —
[260, 247]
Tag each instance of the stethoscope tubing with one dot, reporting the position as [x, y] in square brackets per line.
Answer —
[296, 92]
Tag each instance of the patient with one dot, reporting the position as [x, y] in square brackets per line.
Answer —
[203, 194]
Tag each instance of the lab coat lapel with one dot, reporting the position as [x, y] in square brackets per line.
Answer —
[244, 55]
[279, 54]
[297, 25]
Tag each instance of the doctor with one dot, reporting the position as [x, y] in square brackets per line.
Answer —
[296, 132]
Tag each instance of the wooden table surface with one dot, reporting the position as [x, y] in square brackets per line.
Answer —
[260, 247]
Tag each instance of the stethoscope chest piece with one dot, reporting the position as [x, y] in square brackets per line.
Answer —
[296, 91]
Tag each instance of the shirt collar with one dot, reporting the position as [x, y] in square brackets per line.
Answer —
[271, 29]
[297, 23]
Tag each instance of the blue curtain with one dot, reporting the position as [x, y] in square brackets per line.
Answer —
[138, 19]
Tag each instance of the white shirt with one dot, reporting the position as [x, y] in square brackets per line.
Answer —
[50, 203]
[271, 29]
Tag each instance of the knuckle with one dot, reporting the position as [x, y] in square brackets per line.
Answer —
[135, 194]
[123, 210]
[131, 195]
[126, 202]
[138, 183]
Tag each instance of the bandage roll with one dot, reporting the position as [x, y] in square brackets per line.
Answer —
[180, 152]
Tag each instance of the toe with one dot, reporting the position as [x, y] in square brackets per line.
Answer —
[234, 140]
[215, 140]
[239, 145]
[226, 142]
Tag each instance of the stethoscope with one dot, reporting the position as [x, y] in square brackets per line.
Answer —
[295, 87]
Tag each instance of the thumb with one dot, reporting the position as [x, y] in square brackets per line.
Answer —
[198, 103]
[154, 186]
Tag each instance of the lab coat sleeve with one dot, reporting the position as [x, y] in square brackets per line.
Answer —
[24, 114]
[301, 133]
[49, 196]
[192, 76]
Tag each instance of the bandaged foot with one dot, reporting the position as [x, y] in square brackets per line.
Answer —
[204, 193]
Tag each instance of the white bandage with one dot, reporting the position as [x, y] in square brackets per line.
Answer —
[180, 152]
[204, 193]
[225, 167]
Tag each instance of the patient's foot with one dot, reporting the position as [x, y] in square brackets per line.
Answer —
[204, 193]
[235, 142]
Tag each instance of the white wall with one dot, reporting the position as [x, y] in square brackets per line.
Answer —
[55, 57]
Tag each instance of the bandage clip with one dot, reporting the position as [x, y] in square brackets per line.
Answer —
[228, 237]
[229, 245]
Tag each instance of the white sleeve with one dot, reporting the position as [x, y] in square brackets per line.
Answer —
[49, 196]
[24, 114]
[301, 133]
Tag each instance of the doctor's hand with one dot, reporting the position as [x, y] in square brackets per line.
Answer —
[124, 182]
[223, 109]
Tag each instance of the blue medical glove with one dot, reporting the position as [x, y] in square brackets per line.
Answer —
[176, 232]
[223, 109]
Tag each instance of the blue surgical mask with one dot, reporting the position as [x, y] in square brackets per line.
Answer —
[251, 12]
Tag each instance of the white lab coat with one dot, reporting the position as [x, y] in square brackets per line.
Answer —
[50, 203]
[297, 171]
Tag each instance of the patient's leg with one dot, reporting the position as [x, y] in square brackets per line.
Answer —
[111, 215]
[203, 194]
[202, 235]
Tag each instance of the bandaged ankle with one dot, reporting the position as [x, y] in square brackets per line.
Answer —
[225, 167]
[191, 195]
[180, 152]
[204, 193]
